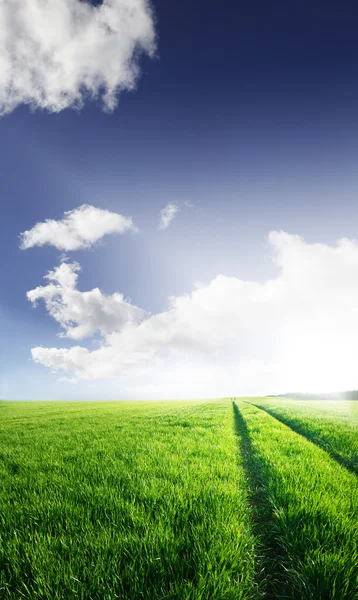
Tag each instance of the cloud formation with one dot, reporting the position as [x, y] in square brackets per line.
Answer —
[297, 331]
[54, 55]
[80, 228]
[167, 214]
[82, 314]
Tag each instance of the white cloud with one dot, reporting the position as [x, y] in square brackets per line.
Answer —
[82, 314]
[297, 331]
[67, 380]
[167, 214]
[54, 54]
[79, 228]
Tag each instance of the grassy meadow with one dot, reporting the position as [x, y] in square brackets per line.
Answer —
[306, 508]
[331, 425]
[184, 500]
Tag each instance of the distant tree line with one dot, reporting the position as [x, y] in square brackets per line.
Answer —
[350, 395]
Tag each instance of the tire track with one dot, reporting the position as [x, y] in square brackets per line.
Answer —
[304, 431]
[271, 556]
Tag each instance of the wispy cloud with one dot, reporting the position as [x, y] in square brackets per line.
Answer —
[80, 228]
[67, 380]
[55, 55]
[189, 205]
[167, 214]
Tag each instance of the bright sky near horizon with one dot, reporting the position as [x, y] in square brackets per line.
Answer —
[179, 196]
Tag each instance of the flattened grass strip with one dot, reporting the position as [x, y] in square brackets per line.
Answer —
[307, 508]
[331, 425]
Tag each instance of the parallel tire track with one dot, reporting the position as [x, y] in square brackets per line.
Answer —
[303, 430]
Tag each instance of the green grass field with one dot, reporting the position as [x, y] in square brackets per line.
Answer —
[331, 425]
[182, 500]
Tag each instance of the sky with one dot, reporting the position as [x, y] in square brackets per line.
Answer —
[179, 193]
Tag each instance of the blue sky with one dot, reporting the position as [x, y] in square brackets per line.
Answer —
[246, 120]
